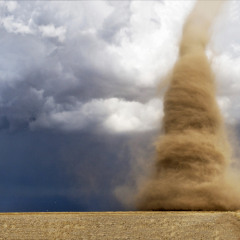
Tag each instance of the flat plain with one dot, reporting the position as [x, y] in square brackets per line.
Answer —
[121, 225]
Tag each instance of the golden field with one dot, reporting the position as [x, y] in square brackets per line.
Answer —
[121, 225]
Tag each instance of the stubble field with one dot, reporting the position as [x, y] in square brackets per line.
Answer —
[121, 225]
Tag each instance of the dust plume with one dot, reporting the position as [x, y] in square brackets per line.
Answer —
[192, 167]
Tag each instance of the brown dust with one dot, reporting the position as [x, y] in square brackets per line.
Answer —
[193, 156]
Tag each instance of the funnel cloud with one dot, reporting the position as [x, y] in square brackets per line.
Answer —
[193, 156]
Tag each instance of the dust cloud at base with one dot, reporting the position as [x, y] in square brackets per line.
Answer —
[193, 156]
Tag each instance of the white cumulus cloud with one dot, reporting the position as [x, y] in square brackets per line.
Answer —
[113, 115]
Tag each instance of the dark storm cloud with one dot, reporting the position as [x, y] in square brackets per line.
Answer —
[53, 62]
[53, 171]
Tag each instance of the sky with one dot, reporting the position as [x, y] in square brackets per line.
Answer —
[81, 90]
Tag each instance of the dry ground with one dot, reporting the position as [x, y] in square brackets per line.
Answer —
[121, 225]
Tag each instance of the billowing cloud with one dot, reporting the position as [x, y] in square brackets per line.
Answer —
[62, 60]
[52, 32]
[112, 114]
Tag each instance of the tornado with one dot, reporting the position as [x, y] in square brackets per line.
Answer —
[193, 156]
